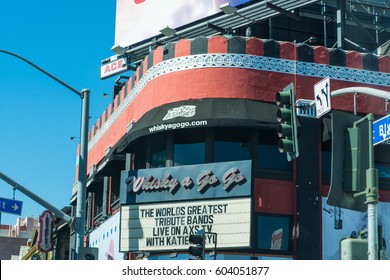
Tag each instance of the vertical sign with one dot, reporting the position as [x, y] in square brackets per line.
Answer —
[45, 237]
[322, 97]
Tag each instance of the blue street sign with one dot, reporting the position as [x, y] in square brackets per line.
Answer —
[11, 206]
[381, 130]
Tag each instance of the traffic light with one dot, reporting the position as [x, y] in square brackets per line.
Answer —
[197, 251]
[350, 160]
[353, 249]
[287, 128]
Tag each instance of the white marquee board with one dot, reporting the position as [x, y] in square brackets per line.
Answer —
[162, 227]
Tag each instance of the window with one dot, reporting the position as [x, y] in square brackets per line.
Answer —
[139, 151]
[274, 233]
[326, 161]
[268, 155]
[232, 144]
[115, 189]
[98, 203]
[158, 150]
[189, 147]
[383, 171]
[382, 163]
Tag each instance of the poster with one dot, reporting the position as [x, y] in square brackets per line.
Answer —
[106, 238]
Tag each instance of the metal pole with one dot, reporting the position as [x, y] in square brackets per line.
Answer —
[82, 172]
[364, 90]
[43, 71]
[215, 247]
[324, 23]
[215, 243]
[340, 16]
[372, 197]
[36, 198]
[371, 192]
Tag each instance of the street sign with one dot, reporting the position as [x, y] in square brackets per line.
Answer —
[322, 97]
[11, 206]
[306, 108]
[381, 130]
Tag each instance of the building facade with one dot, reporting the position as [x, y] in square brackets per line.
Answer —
[189, 143]
[14, 239]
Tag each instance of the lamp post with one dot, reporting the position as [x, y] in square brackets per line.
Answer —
[84, 94]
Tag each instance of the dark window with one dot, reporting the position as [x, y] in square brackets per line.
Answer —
[98, 203]
[268, 155]
[115, 189]
[383, 171]
[232, 144]
[158, 150]
[274, 233]
[326, 161]
[382, 163]
[189, 147]
[139, 150]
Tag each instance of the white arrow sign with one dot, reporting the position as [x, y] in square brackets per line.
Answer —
[322, 97]
[15, 207]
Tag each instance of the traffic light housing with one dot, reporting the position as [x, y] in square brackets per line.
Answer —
[287, 128]
[197, 251]
[350, 160]
[353, 249]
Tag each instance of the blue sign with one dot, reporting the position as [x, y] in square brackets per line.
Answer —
[381, 130]
[11, 206]
[190, 182]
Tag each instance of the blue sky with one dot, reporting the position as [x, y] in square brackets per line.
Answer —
[37, 115]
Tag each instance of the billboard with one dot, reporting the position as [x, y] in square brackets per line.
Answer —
[167, 226]
[137, 20]
[106, 238]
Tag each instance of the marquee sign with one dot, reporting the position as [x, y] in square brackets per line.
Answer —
[214, 180]
[164, 227]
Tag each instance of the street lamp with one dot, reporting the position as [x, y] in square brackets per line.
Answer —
[84, 94]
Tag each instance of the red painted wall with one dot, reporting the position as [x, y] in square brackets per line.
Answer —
[273, 196]
[228, 82]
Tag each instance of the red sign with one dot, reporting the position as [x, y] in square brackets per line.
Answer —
[45, 237]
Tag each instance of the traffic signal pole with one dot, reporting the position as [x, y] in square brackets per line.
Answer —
[58, 213]
[84, 94]
[372, 187]
[371, 191]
